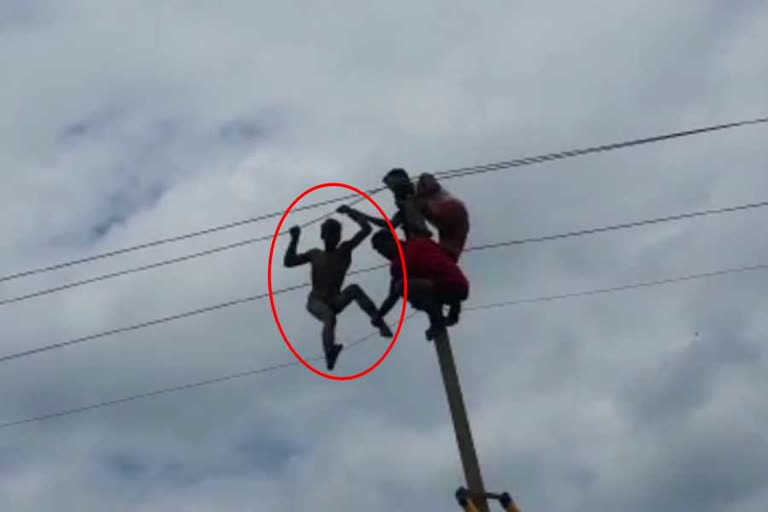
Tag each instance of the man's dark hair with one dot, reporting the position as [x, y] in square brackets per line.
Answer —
[399, 182]
[397, 172]
[331, 227]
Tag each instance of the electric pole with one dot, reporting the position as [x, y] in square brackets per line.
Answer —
[460, 421]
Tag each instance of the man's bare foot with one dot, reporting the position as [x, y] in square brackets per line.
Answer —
[332, 355]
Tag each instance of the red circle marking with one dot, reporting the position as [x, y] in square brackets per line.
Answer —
[271, 293]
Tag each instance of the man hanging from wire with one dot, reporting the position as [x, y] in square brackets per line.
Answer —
[434, 279]
[329, 268]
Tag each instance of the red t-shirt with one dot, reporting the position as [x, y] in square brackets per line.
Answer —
[425, 259]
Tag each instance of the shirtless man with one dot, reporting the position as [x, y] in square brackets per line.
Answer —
[449, 215]
[444, 211]
[329, 268]
[434, 280]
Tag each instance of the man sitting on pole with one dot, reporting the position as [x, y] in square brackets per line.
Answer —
[449, 215]
[434, 280]
[329, 268]
[429, 201]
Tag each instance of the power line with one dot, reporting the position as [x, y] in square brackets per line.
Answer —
[150, 394]
[143, 268]
[570, 234]
[183, 387]
[617, 227]
[448, 174]
[236, 302]
[150, 323]
[621, 288]
[134, 270]
[495, 305]
[468, 171]
[178, 238]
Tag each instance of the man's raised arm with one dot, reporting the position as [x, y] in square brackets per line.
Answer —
[292, 259]
[362, 221]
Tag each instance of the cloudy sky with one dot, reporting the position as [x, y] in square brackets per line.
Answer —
[124, 122]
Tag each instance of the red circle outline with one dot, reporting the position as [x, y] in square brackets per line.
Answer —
[271, 293]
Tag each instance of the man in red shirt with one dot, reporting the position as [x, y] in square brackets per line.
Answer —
[434, 280]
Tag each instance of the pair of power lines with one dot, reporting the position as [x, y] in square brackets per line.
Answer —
[368, 337]
[444, 175]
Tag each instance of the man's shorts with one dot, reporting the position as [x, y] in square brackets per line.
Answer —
[322, 309]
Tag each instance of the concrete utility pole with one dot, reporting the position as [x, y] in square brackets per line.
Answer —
[460, 421]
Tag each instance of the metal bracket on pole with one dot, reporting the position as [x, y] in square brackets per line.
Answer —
[464, 497]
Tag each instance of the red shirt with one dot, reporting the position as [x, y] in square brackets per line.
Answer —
[425, 259]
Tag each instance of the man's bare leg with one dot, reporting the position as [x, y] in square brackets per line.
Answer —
[353, 293]
[332, 349]
[327, 316]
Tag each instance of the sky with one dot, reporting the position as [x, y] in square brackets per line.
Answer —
[126, 122]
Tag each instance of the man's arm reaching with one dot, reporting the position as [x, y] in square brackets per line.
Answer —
[381, 223]
[362, 221]
[292, 259]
